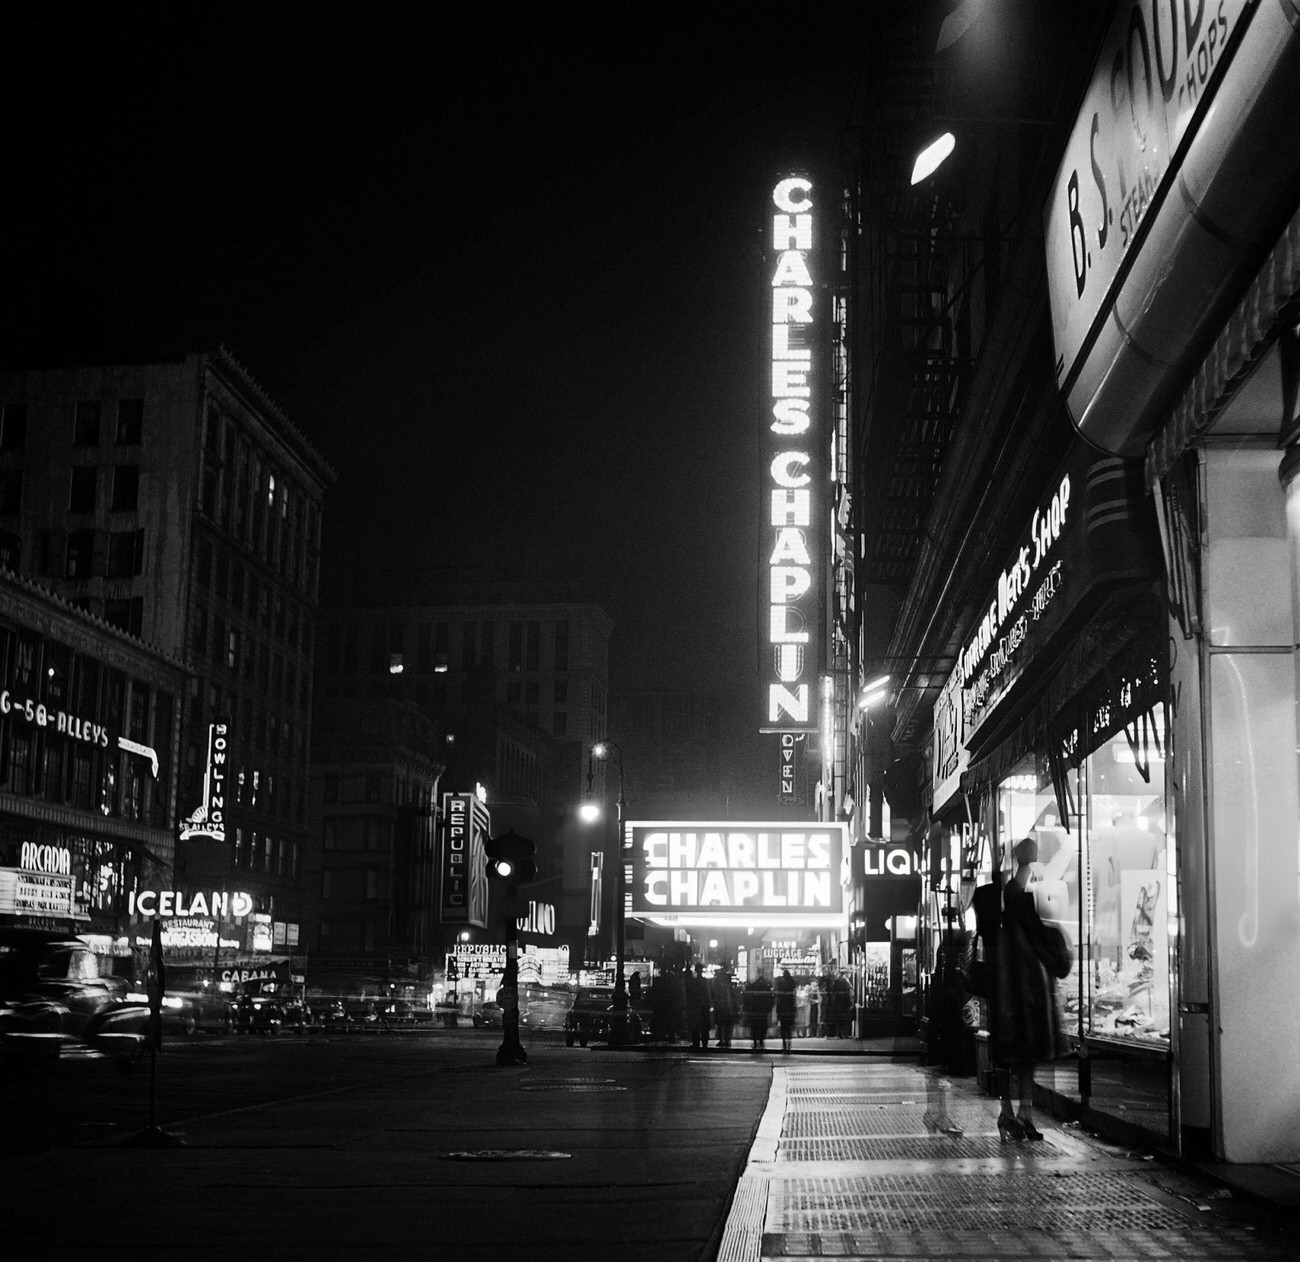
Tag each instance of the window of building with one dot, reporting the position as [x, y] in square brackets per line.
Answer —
[127, 614]
[203, 564]
[515, 651]
[560, 692]
[13, 426]
[222, 587]
[80, 557]
[326, 884]
[126, 488]
[486, 642]
[372, 884]
[11, 491]
[329, 834]
[232, 648]
[130, 420]
[374, 784]
[533, 646]
[81, 489]
[85, 423]
[560, 723]
[125, 553]
[561, 646]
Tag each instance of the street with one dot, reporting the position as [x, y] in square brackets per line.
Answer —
[390, 1145]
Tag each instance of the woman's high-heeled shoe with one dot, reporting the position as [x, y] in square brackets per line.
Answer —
[942, 1124]
[1031, 1132]
[1009, 1128]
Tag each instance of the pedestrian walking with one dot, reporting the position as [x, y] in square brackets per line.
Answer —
[757, 1003]
[698, 1007]
[785, 1008]
[1027, 957]
[724, 1004]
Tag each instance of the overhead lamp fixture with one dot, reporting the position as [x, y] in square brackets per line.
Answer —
[873, 692]
[932, 157]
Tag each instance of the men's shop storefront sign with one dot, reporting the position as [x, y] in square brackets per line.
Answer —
[725, 873]
[1085, 532]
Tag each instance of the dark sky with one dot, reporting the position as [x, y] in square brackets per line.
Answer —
[499, 263]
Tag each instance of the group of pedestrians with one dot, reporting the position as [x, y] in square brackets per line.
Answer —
[685, 1003]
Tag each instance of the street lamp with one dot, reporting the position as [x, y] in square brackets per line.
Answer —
[602, 751]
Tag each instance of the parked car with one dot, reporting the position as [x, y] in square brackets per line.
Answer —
[488, 1015]
[259, 1014]
[591, 1017]
[52, 991]
[544, 1010]
[362, 1014]
[326, 1013]
[190, 1011]
[395, 1011]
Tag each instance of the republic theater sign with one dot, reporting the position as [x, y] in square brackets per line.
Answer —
[728, 873]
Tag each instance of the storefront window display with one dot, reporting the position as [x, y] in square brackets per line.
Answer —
[1116, 918]
[1028, 807]
[1128, 975]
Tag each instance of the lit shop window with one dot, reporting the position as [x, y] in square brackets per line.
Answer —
[1028, 807]
[1128, 975]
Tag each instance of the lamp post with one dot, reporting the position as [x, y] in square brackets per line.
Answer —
[603, 751]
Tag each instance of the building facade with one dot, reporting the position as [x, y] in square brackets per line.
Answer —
[89, 751]
[1073, 439]
[176, 502]
[517, 685]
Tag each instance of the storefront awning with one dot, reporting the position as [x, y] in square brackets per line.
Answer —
[1270, 307]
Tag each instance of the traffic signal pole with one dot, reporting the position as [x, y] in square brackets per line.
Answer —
[511, 859]
[511, 1051]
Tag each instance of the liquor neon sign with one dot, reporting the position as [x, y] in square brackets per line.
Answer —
[792, 464]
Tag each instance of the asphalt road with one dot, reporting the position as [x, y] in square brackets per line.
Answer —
[379, 1145]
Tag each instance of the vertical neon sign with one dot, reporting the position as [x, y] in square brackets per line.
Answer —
[792, 465]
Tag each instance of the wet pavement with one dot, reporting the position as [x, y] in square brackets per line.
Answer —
[325, 1147]
[878, 1159]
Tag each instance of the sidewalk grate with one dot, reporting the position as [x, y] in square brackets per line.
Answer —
[860, 1122]
[907, 1148]
[989, 1203]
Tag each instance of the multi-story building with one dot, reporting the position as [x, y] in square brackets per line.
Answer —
[370, 869]
[176, 502]
[89, 736]
[517, 682]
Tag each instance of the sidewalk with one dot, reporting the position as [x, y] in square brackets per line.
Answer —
[846, 1164]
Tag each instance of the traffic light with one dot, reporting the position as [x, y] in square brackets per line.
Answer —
[512, 858]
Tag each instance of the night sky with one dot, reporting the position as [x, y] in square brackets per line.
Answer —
[499, 263]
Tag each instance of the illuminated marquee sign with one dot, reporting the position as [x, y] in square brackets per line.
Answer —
[464, 894]
[168, 903]
[209, 819]
[725, 873]
[791, 538]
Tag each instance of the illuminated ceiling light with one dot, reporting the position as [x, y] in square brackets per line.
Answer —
[589, 812]
[932, 157]
[395, 664]
[873, 692]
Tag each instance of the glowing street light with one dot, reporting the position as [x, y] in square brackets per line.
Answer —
[932, 157]
[590, 811]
